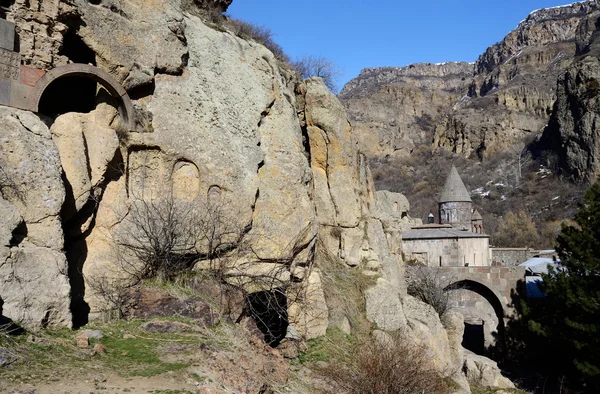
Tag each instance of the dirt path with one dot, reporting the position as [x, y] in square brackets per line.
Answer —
[169, 383]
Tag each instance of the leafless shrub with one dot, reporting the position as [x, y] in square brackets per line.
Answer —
[117, 294]
[161, 236]
[212, 11]
[318, 66]
[391, 366]
[431, 286]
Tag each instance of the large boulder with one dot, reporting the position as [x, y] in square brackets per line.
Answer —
[384, 307]
[33, 268]
[427, 329]
[483, 372]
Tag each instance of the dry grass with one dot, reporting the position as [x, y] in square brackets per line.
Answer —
[344, 289]
[385, 367]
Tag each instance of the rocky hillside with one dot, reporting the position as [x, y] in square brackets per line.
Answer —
[570, 139]
[489, 114]
[234, 169]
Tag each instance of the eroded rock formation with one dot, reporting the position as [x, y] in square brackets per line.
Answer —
[33, 266]
[227, 123]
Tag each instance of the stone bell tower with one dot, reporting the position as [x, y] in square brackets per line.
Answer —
[455, 203]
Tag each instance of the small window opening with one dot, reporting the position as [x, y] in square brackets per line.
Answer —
[76, 50]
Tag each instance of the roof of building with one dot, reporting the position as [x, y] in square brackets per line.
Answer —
[539, 265]
[454, 189]
[439, 233]
[430, 226]
[476, 216]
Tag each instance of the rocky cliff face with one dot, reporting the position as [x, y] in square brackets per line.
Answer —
[570, 140]
[395, 109]
[227, 123]
[506, 97]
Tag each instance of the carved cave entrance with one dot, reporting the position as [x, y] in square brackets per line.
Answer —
[269, 309]
[68, 94]
[477, 329]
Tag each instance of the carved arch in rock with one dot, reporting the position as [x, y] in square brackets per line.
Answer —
[94, 73]
[492, 298]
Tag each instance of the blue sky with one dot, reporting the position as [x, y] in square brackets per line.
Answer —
[360, 33]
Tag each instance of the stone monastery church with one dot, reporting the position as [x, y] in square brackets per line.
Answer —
[458, 240]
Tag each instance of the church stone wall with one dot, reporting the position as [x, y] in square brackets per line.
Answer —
[512, 256]
[431, 251]
[474, 252]
[449, 252]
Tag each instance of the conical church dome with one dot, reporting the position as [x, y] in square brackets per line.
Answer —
[454, 189]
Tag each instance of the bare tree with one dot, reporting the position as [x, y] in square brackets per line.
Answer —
[523, 157]
[430, 285]
[161, 235]
[318, 66]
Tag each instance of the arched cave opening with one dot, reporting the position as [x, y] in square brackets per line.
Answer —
[474, 334]
[268, 309]
[68, 94]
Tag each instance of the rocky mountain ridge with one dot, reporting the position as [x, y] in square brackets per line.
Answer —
[570, 139]
[507, 98]
[394, 109]
[530, 96]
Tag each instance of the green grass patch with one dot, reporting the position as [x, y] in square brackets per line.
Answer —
[49, 353]
[136, 357]
[335, 344]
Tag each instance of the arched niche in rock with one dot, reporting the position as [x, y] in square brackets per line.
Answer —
[72, 78]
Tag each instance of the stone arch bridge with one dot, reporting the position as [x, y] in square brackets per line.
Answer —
[498, 285]
[488, 293]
